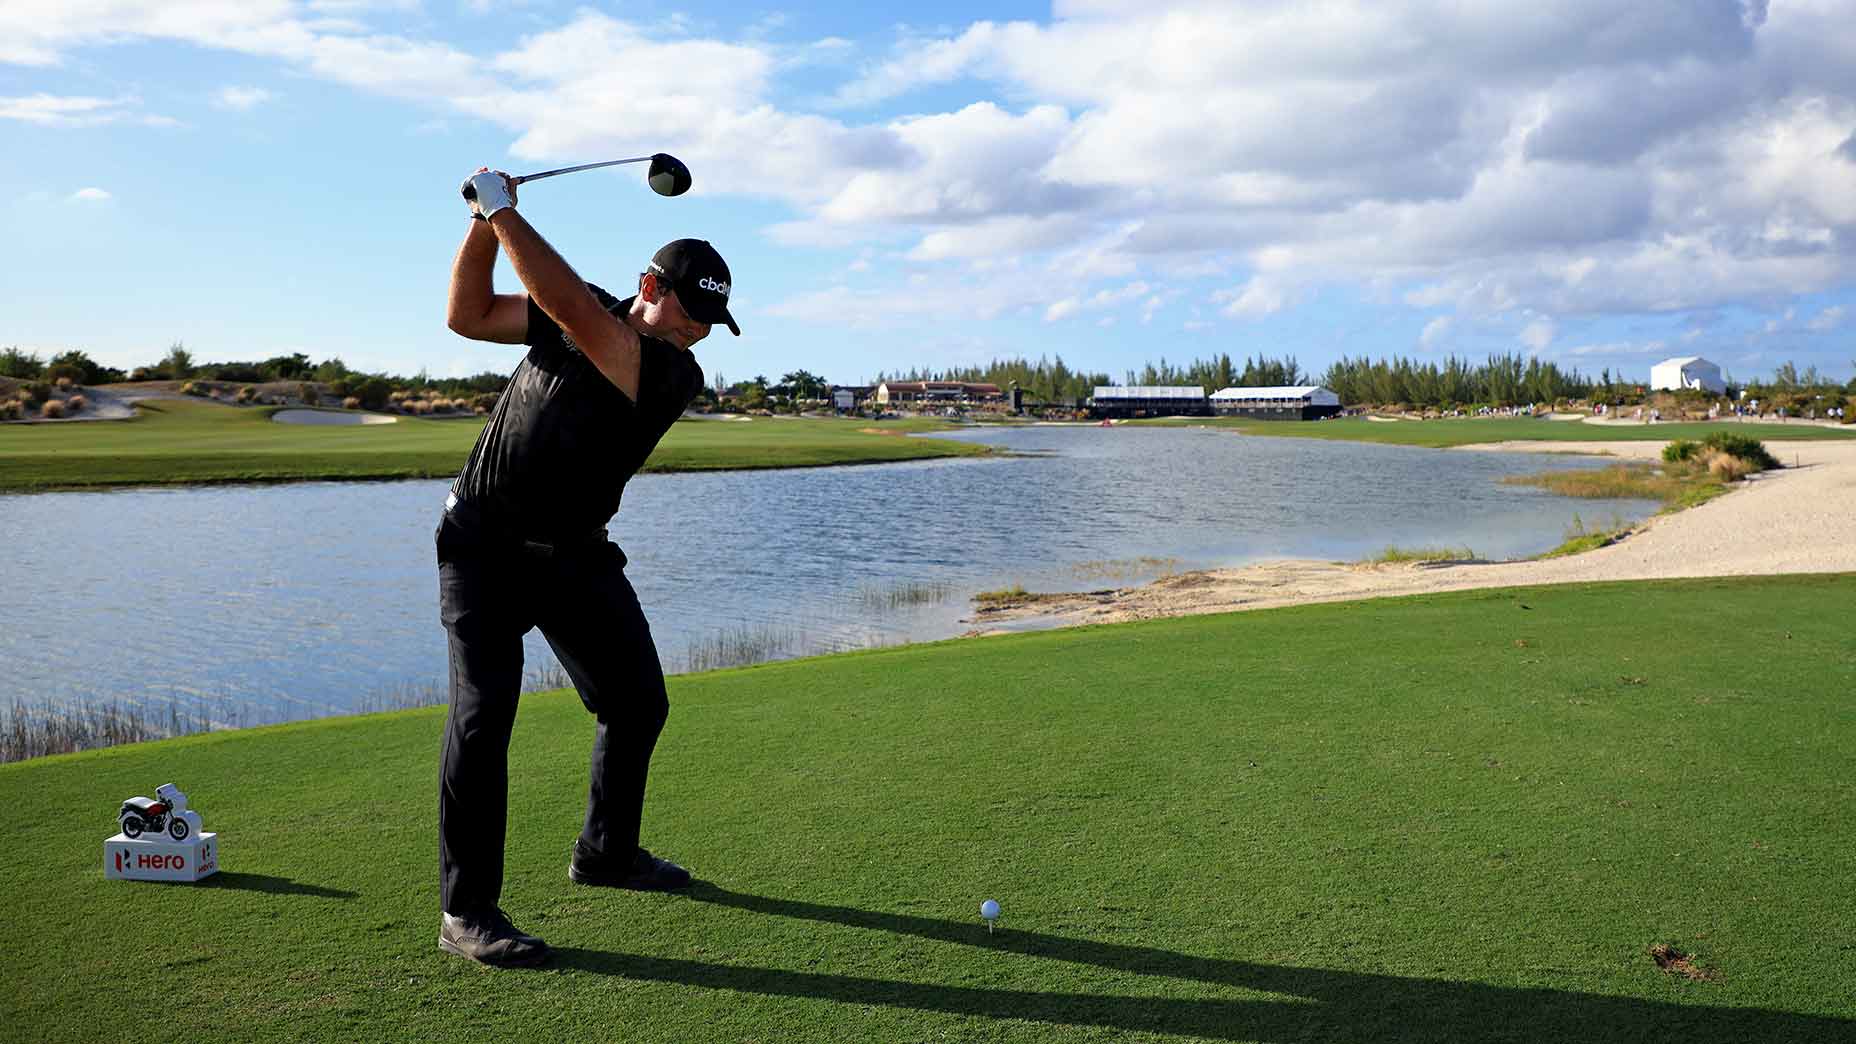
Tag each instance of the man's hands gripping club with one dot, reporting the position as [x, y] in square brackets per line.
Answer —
[487, 192]
[606, 340]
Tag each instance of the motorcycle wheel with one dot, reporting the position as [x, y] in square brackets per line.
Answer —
[177, 828]
[132, 826]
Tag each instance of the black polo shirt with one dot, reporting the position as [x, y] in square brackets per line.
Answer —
[563, 440]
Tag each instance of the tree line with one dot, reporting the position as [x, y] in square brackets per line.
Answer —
[179, 365]
[1047, 380]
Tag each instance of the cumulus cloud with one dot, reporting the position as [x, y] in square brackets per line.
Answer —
[241, 99]
[1827, 320]
[1567, 159]
[1256, 298]
[89, 195]
[1538, 334]
[1435, 331]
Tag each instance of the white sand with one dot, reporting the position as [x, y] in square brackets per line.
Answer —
[1798, 520]
[330, 417]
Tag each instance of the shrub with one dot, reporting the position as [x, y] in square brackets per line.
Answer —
[373, 392]
[246, 394]
[63, 384]
[34, 392]
[17, 363]
[309, 393]
[1680, 450]
[11, 409]
[484, 402]
[1727, 467]
[351, 403]
[398, 397]
[76, 403]
[192, 388]
[1745, 447]
[53, 408]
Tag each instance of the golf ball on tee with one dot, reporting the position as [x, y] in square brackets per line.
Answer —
[989, 909]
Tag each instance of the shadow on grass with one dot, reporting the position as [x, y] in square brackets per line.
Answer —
[1329, 1006]
[272, 884]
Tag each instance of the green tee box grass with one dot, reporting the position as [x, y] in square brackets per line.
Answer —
[181, 441]
[1465, 431]
[1462, 817]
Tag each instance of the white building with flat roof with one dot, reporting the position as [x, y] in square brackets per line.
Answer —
[1691, 371]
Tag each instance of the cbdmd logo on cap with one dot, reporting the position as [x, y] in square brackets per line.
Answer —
[709, 284]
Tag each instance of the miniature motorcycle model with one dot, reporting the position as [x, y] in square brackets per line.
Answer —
[167, 811]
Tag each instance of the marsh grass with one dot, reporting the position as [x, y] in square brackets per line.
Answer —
[1579, 537]
[29, 730]
[32, 730]
[742, 646]
[1393, 554]
[1014, 593]
[903, 594]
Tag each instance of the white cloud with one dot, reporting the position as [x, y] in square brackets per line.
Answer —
[1061, 309]
[90, 195]
[1538, 334]
[241, 99]
[1478, 158]
[1828, 319]
[1258, 297]
[54, 111]
[1434, 331]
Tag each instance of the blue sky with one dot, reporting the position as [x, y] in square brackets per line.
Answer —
[1105, 180]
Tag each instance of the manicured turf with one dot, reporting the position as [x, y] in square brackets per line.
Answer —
[1449, 818]
[1464, 431]
[181, 441]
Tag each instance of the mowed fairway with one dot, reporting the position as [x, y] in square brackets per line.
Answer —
[1453, 818]
[181, 441]
[1465, 431]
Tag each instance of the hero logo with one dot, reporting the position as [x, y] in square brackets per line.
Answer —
[146, 861]
[710, 284]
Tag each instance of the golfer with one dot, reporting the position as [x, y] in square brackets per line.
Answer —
[522, 544]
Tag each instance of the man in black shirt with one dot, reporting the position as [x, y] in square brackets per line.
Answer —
[522, 544]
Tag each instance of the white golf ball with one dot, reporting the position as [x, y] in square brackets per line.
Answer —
[989, 909]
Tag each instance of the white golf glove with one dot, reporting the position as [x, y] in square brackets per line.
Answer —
[487, 192]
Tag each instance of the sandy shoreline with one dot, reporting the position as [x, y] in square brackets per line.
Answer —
[1798, 520]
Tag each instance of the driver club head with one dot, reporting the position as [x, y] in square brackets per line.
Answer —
[667, 175]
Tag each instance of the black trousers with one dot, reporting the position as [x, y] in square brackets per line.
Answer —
[492, 591]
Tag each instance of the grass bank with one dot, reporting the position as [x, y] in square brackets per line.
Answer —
[173, 442]
[1466, 817]
[1467, 431]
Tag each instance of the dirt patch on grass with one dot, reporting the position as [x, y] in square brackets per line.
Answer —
[880, 431]
[1675, 962]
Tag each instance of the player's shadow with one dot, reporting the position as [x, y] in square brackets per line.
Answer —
[1328, 1005]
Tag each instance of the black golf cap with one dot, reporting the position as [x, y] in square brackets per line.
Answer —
[700, 277]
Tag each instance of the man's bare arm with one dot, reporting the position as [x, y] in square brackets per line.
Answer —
[475, 309]
[611, 345]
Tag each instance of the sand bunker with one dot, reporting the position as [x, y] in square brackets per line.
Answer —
[329, 417]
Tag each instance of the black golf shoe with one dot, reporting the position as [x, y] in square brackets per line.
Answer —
[644, 872]
[489, 938]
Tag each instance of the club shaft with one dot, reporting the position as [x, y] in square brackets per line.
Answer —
[583, 166]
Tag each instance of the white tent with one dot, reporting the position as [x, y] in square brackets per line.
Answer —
[1690, 371]
[1302, 394]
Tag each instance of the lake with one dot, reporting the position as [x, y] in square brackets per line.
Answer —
[249, 604]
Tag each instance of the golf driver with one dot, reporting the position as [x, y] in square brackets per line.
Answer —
[667, 175]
